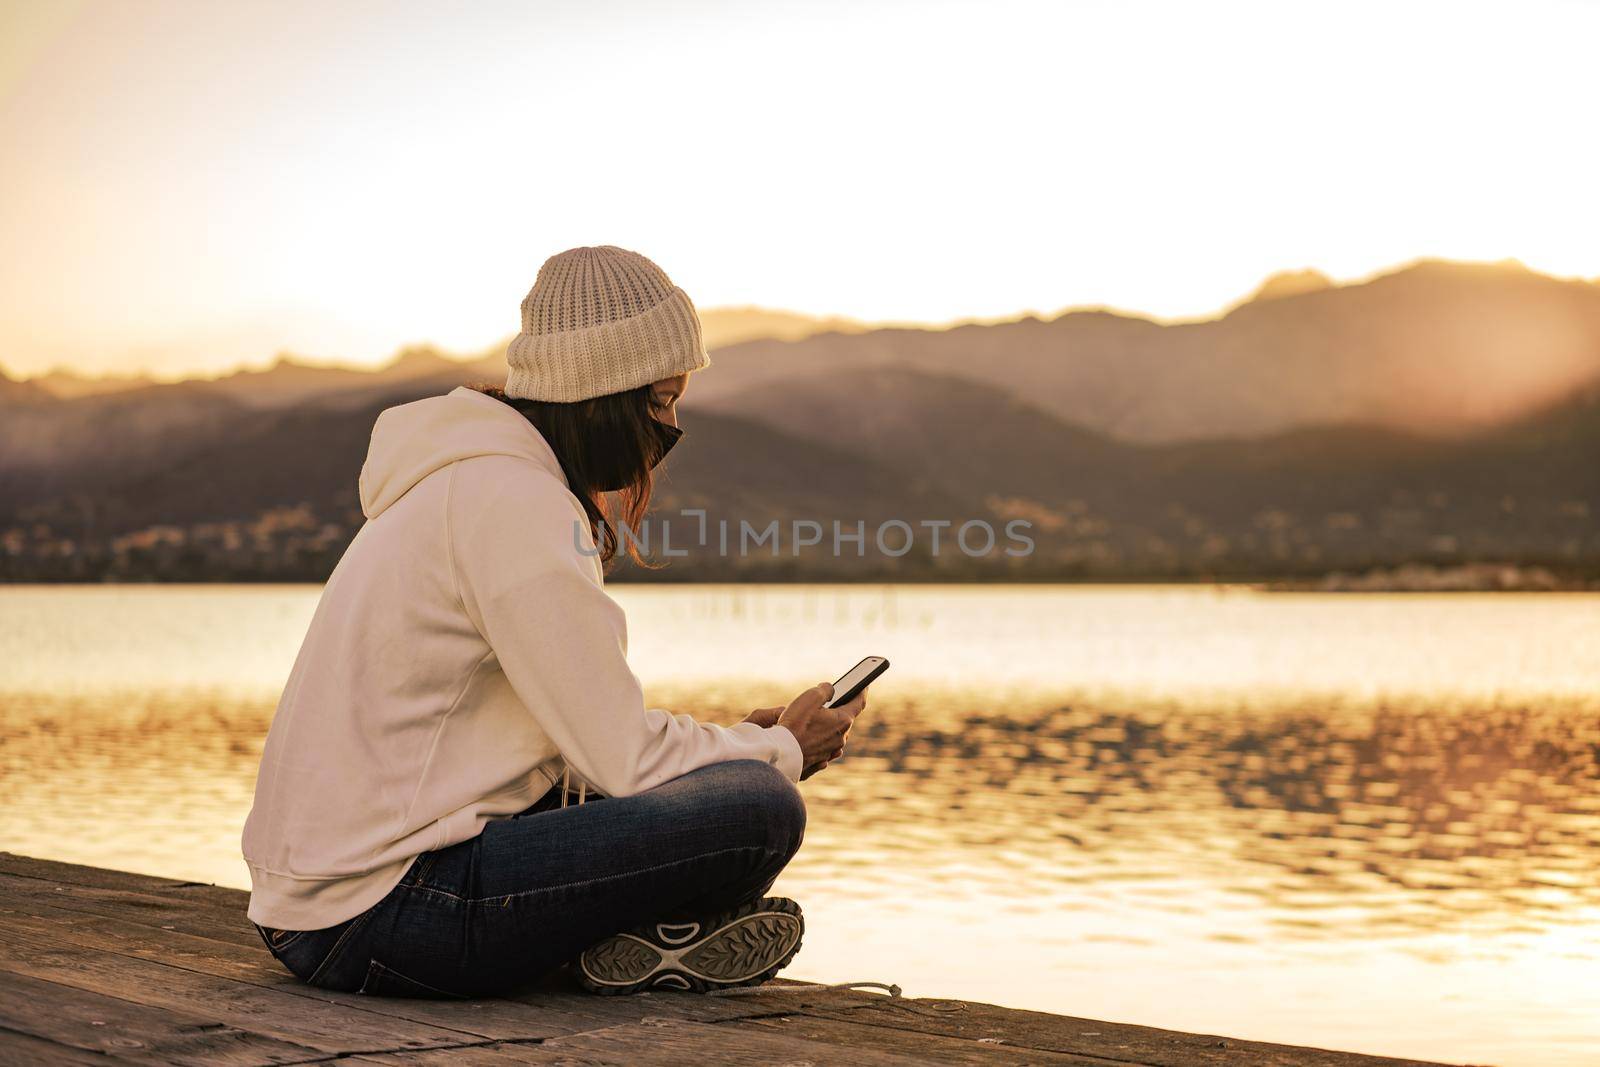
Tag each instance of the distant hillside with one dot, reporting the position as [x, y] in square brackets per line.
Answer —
[962, 437]
[69, 386]
[1291, 283]
[1508, 489]
[59, 446]
[899, 445]
[17, 394]
[1434, 348]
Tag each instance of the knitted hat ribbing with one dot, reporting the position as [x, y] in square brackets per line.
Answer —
[600, 320]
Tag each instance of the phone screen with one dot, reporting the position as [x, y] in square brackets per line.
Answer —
[856, 679]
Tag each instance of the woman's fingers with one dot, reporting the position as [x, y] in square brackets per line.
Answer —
[822, 763]
[765, 716]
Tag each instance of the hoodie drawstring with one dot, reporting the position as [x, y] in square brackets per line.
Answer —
[566, 787]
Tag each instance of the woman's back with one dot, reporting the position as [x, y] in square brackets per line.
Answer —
[397, 732]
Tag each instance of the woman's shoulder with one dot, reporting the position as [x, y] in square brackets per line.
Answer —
[510, 510]
[512, 483]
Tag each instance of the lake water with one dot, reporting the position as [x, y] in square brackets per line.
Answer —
[1360, 822]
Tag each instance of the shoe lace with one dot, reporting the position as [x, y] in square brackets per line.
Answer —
[772, 987]
[894, 999]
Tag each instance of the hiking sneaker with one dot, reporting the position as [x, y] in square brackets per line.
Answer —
[745, 946]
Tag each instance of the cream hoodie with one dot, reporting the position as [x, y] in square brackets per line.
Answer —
[463, 657]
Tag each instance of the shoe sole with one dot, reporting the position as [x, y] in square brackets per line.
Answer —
[743, 947]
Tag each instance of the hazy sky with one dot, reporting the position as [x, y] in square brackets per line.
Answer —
[195, 185]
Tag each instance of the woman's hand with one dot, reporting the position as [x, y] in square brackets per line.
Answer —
[768, 717]
[820, 730]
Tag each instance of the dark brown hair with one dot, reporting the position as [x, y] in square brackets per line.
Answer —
[606, 440]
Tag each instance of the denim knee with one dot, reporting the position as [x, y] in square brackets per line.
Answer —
[768, 795]
[783, 805]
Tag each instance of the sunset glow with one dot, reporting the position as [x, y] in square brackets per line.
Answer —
[192, 186]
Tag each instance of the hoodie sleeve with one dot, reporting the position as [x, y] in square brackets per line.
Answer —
[527, 575]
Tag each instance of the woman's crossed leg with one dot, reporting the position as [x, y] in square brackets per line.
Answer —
[662, 888]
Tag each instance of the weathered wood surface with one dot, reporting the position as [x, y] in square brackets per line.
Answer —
[103, 967]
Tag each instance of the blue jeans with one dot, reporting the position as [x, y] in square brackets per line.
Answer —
[534, 890]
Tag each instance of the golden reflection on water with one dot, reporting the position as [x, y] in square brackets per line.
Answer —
[1405, 872]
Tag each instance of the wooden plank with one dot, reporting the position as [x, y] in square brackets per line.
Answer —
[494, 1054]
[158, 911]
[132, 1032]
[1089, 1037]
[672, 1041]
[934, 1048]
[108, 934]
[662, 1043]
[274, 1012]
[59, 873]
[24, 1050]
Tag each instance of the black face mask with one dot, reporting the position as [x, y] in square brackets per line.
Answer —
[666, 435]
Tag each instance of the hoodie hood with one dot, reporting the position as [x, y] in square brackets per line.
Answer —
[411, 441]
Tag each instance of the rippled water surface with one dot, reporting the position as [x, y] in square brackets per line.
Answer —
[1364, 822]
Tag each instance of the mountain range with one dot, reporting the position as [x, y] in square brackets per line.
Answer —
[288, 380]
[1444, 412]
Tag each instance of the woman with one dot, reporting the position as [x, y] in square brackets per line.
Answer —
[428, 817]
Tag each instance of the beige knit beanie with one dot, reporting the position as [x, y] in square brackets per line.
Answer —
[600, 320]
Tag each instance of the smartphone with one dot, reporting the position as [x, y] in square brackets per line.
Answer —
[856, 679]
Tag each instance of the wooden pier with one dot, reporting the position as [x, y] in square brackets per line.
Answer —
[103, 967]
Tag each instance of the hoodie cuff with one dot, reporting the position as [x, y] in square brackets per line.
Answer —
[791, 761]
